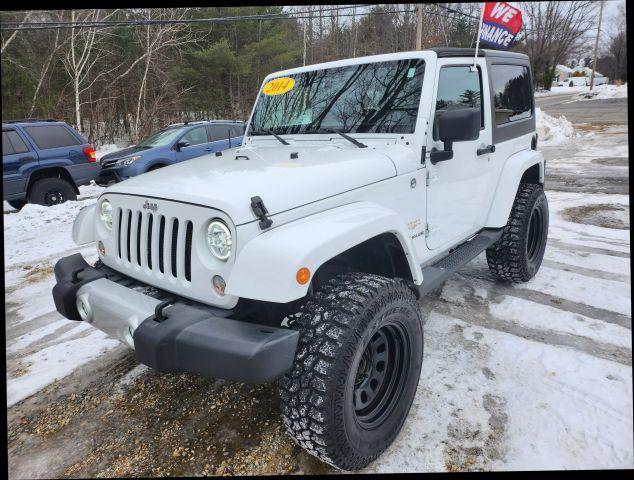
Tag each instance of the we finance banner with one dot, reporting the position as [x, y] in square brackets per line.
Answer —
[500, 24]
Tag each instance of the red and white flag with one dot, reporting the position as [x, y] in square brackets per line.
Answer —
[500, 24]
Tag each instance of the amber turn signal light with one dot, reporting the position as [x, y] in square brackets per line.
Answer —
[303, 275]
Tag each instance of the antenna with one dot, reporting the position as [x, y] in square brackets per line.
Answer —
[473, 67]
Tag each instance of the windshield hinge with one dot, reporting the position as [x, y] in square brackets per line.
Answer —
[260, 211]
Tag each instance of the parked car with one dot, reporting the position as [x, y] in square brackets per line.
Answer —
[44, 161]
[173, 144]
[362, 185]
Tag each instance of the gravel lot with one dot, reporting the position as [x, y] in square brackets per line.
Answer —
[534, 376]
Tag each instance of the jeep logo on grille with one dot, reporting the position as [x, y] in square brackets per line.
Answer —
[150, 206]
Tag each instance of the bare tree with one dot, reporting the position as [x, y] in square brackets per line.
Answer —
[155, 40]
[83, 53]
[7, 42]
[556, 29]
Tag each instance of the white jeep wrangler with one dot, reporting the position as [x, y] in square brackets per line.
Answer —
[360, 186]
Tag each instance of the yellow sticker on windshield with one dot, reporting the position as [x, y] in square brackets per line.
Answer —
[278, 86]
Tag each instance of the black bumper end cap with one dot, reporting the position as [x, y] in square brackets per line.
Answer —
[194, 340]
[72, 273]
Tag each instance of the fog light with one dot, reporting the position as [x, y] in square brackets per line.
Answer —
[83, 307]
[303, 275]
[219, 285]
[101, 249]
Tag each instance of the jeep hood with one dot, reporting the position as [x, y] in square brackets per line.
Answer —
[229, 181]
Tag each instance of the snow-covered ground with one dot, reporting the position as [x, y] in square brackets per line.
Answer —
[602, 91]
[533, 376]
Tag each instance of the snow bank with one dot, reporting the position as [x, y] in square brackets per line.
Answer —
[551, 130]
[601, 92]
[36, 232]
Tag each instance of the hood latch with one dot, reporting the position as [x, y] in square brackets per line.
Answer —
[260, 211]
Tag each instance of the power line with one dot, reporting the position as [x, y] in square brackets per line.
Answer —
[137, 22]
[12, 26]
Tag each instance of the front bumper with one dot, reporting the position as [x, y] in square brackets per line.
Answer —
[108, 177]
[171, 334]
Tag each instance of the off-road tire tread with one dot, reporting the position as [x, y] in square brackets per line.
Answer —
[39, 188]
[332, 315]
[506, 257]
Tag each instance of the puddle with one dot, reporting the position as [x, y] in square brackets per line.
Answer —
[601, 215]
[612, 161]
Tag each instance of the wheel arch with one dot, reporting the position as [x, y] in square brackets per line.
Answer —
[51, 172]
[526, 166]
[266, 267]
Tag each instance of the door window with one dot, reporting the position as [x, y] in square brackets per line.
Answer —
[512, 93]
[236, 130]
[13, 143]
[458, 87]
[219, 132]
[196, 136]
[52, 136]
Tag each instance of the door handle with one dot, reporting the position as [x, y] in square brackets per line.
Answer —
[25, 159]
[209, 149]
[485, 150]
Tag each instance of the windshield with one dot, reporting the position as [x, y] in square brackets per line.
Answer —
[370, 98]
[162, 138]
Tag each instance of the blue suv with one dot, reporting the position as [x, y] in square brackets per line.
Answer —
[173, 144]
[44, 161]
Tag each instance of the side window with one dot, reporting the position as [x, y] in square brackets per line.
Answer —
[52, 136]
[16, 142]
[196, 136]
[512, 93]
[219, 132]
[237, 131]
[7, 148]
[458, 87]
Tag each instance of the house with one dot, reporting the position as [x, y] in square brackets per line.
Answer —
[579, 76]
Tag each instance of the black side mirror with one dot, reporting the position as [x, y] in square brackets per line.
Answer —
[180, 145]
[456, 126]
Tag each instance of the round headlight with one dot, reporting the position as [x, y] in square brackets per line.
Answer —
[106, 214]
[219, 240]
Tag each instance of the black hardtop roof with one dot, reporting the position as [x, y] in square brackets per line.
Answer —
[444, 52]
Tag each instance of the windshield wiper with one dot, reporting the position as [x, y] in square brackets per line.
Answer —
[270, 132]
[347, 137]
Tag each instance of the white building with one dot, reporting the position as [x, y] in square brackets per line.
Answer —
[564, 75]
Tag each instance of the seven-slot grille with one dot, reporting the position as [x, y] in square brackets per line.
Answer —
[159, 243]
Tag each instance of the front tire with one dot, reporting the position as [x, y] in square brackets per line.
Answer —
[356, 369]
[17, 204]
[518, 254]
[51, 191]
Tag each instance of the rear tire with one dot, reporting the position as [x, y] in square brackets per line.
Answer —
[356, 369]
[51, 191]
[17, 204]
[518, 254]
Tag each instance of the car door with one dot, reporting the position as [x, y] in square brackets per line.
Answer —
[456, 191]
[237, 133]
[221, 137]
[198, 143]
[17, 155]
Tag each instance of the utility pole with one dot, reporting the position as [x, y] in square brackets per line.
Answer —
[419, 28]
[596, 47]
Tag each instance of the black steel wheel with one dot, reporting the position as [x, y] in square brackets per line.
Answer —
[379, 380]
[51, 191]
[356, 368]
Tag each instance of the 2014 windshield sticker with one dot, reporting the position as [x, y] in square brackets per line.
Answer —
[278, 86]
